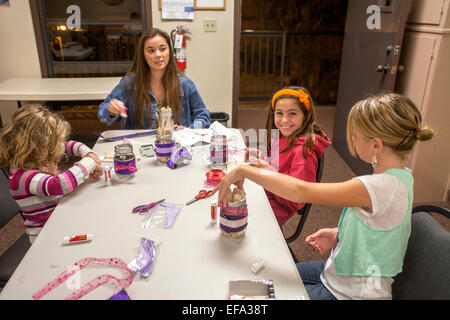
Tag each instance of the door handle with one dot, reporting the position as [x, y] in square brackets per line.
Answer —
[384, 68]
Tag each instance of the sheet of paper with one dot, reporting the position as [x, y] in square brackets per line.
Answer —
[210, 3]
[187, 137]
[177, 9]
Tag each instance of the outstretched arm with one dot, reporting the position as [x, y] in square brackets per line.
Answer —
[351, 193]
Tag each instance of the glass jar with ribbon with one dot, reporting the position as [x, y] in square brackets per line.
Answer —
[233, 217]
[124, 160]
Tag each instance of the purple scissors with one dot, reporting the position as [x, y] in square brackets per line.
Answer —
[145, 207]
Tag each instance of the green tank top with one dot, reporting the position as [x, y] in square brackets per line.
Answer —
[365, 251]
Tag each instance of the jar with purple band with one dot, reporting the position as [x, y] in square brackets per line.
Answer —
[219, 151]
[164, 149]
[233, 219]
[124, 160]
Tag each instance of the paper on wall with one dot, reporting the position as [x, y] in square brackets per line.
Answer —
[177, 9]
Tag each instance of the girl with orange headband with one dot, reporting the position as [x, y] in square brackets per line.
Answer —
[368, 245]
[299, 146]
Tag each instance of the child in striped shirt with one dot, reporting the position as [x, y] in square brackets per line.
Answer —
[31, 146]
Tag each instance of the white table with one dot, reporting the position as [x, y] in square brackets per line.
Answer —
[57, 89]
[195, 262]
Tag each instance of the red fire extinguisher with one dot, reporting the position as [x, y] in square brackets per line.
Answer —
[179, 44]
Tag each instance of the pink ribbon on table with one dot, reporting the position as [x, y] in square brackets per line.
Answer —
[120, 168]
[91, 285]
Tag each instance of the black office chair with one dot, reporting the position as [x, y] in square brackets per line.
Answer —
[11, 258]
[426, 266]
[303, 212]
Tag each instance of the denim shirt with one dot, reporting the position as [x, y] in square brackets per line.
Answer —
[193, 112]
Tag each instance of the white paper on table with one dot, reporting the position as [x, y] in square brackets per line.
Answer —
[188, 137]
[219, 129]
[177, 9]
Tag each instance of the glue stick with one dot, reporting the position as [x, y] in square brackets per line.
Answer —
[214, 212]
[77, 238]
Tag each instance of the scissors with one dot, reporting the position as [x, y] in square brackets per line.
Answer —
[145, 207]
[201, 195]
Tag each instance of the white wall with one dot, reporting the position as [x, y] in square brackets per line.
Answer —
[18, 50]
[209, 55]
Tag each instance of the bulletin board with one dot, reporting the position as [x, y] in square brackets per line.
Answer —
[205, 4]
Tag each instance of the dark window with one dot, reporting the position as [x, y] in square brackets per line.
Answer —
[102, 46]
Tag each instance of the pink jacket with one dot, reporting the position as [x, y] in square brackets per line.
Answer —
[294, 164]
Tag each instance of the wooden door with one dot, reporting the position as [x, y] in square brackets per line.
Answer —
[372, 44]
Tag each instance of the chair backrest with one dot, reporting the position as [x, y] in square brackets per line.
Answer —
[8, 206]
[303, 212]
[426, 266]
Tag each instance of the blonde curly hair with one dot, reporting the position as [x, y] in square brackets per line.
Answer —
[393, 118]
[33, 139]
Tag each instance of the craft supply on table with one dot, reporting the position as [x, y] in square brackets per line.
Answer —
[214, 211]
[143, 209]
[213, 178]
[182, 156]
[145, 261]
[124, 160]
[129, 136]
[233, 217]
[121, 295]
[218, 150]
[78, 239]
[165, 121]
[162, 216]
[164, 150]
[251, 290]
[257, 266]
[147, 150]
[94, 283]
[201, 195]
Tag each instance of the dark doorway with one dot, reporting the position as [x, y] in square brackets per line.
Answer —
[291, 43]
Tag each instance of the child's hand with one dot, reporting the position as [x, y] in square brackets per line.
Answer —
[255, 162]
[178, 127]
[323, 240]
[233, 177]
[252, 153]
[98, 171]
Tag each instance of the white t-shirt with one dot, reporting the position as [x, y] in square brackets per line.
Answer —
[390, 202]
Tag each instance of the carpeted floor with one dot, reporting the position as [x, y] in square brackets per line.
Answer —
[320, 216]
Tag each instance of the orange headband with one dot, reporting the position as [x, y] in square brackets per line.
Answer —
[300, 94]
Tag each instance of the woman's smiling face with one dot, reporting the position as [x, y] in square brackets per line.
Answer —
[288, 116]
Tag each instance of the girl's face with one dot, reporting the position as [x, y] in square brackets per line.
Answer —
[156, 51]
[288, 116]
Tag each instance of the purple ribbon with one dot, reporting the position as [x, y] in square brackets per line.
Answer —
[147, 255]
[125, 167]
[178, 158]
[134, 135]
[172, 211]
[165, 149]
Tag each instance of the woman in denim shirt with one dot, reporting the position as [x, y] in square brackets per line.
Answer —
[154, 80]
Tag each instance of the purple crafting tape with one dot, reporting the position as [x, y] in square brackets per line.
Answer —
[178, 158]
[165, 149]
